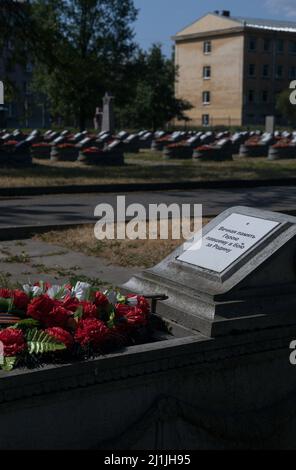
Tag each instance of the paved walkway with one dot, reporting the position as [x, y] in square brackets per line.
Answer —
[79, 208]
[30, 260]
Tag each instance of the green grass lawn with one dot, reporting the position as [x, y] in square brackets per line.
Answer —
[145, 167]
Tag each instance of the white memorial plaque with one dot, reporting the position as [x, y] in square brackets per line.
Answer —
[227, 242]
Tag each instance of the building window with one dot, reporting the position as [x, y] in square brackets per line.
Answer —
[29, 67]
[252, 70]
[205, 119]
[276, 98]
[265, 71]
[292, 47]
[10, 110]
[207, 47]
[279, 72]
[207, 72]
[280, 46]
[266, 45]
[292, 72]
[265, 96]
[251, 96]
[206, 97]
[27, 89]
[252, 44]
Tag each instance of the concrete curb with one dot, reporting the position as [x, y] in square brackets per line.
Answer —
[140, 187]
[26, 231]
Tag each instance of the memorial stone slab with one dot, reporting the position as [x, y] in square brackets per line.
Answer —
[108, 120]
[131, 137]
[59, 140]
[238, 274]
[270, 124]
[115, 144]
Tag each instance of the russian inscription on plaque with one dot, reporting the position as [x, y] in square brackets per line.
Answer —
[227, 242]
[238, 274]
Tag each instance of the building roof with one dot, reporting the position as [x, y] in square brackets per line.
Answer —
[224, 21]
[273, 25]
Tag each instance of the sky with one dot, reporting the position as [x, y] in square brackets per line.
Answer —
[158, 20]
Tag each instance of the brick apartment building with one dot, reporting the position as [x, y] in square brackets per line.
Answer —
[232, 69]
[23, 108]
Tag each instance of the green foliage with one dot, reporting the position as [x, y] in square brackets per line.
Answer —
[8, 363]
[286, 108]
[39, 342]
[82, 48]
[79, 48]
[6, 305]
[112, 316]
[27, 323]
[153, 103]
[78, 314]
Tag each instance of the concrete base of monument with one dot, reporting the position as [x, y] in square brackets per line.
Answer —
[239, 276]
[182, 392]
[222, 379]
[214, 317]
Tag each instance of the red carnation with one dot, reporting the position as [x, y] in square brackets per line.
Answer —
[122, 309]
[58, 316]
[5, 293]
[13, 341]
[101, 301]
[61, 335]
[142, 303]
[89, 310]
[70, 303]
[91, 331]
[20, 300]
[40, 307]
[136, 317]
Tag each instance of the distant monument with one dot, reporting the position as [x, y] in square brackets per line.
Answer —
[270, 124]
[108, 123]
[98, 119]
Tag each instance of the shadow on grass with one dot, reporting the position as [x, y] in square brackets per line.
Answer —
[135, 170]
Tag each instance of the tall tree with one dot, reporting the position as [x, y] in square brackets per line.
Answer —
[153, 103]
[285, 107]
[80, 48]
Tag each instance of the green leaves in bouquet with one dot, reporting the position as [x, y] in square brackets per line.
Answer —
[78, 314]
[39, 342]
[8, 363]
[121, 299]
[111, 321]
[26, 324]
[6, 305]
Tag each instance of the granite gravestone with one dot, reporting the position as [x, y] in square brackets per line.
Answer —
[270, 124]
[108, 121]
[239, 274]
[98, 119]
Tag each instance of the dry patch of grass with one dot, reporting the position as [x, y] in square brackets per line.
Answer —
[127, 253]
[142, 168]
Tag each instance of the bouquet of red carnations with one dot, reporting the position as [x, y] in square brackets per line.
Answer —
[41, 322]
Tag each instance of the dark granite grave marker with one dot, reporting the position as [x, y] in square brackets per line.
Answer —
[241, 275]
